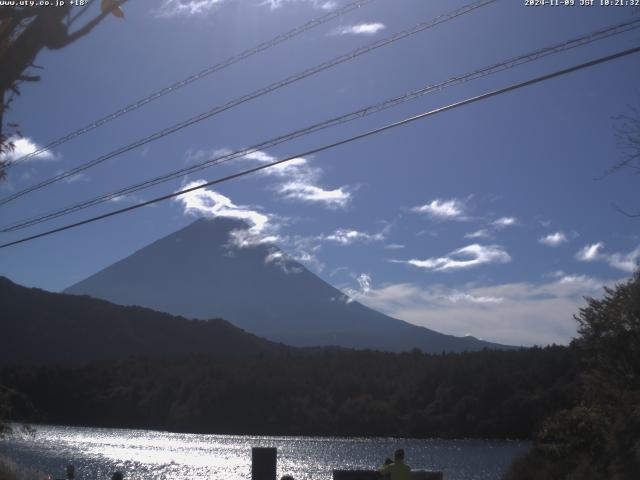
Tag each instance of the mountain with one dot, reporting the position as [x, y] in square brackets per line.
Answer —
[196, 273]
[40, 327]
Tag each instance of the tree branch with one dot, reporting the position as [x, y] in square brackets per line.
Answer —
[625, 213]
[29, 78]
[88, 27]
[80, 13]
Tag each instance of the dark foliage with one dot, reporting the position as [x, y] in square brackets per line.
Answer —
[495, 394]
[108, 365]
[25, 30]
[42, 327]
[599, 436]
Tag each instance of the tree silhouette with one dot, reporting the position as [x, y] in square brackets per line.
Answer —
[628, 136]
[598, 436]
[24, 32]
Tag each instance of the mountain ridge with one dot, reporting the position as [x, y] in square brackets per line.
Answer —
[195, 272]
[40, 327]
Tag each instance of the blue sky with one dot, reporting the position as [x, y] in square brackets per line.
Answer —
[490, 220]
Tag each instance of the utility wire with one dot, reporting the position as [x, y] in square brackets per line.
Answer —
[366, 111]
[258, 93]
[316, 22]
[369, 133]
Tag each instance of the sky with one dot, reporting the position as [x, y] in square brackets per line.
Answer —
[493, 220]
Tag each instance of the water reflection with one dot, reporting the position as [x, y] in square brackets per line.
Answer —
[144, 454]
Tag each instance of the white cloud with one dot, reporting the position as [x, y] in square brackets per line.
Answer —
[589, 253]
[360, 29]
[279, 258]
[553, 239]
[338, 197]
[516, 313]
[555, 274]
[466, 257]
[394, 246]
[482, 233]
[199, 155]
[129, 197]
[444, 209]
[299, 248]
[351, 294]
[344, 236]
[626, 262]
[209, 203]
[321, 4]
[298, 168]
[300, 181]
[364, 280]
[274, 256]
[309, 259]
[25, 146]
[251, 237]
[582, 281]
[458, 297]
[175, 8]
[503, 222]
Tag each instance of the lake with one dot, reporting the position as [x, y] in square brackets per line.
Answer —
[147, 454]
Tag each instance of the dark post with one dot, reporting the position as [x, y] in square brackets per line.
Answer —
[263, 463]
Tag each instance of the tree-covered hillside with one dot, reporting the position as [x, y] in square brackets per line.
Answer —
[495, 394]
[40, 327]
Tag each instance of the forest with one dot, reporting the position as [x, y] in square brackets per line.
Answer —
[579, 404]
[489, 394]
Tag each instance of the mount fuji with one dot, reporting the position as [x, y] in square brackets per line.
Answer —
[196, 273]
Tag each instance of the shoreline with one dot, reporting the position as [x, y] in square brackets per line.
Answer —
[326, 437]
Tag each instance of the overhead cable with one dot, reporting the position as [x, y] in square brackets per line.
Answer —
[251, 96]
[354, 115]
[323, 148]
[197, 76]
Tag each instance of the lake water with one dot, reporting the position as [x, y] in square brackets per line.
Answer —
[147, 454]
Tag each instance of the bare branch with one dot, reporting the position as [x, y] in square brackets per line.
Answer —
[627, 132]
[625, 213]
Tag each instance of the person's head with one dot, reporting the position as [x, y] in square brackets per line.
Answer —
[117, 476]
[71, 471]
[399, 454]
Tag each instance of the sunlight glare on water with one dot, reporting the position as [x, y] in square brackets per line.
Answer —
[147, 454]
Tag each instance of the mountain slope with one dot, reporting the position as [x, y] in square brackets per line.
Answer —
[43, 327]
[195, 273]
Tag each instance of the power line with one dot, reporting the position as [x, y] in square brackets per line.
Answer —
[258, 93]
[360, 113]
[283, 37]
[369, 133]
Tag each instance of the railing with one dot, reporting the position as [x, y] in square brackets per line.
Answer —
[264, 467]
[375, 475]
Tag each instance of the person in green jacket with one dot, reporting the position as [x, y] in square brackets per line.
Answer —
[397, 470]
